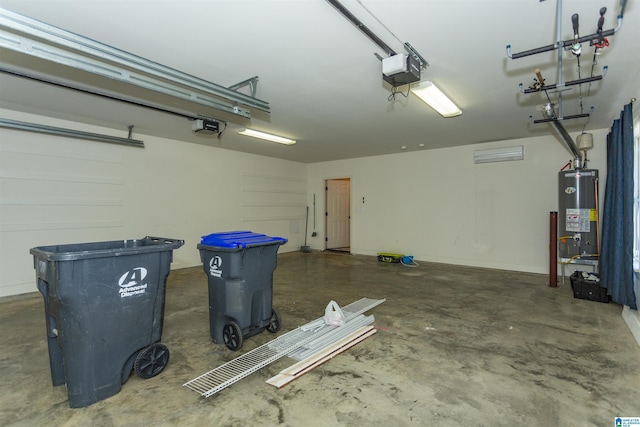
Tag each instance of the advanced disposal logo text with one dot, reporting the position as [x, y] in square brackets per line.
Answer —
[131, 282]
[215, 266]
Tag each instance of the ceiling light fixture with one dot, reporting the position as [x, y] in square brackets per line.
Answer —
[429, 93]
[267, 136]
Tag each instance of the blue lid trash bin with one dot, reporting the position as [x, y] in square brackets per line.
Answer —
[239, 266]
[104, 309]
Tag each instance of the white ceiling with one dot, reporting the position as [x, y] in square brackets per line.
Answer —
[322, 79]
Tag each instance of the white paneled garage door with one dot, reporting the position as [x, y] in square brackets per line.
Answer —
[54, 190]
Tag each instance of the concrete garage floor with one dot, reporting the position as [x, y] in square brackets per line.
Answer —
[455, 346]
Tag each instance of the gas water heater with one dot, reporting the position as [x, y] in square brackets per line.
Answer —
[578, 214]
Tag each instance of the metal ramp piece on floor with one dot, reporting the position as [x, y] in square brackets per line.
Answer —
[223, 376]
[332, 335]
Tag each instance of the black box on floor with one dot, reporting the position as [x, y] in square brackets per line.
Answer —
[588, 289]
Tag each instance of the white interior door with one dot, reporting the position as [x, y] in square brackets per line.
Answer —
[338, 213]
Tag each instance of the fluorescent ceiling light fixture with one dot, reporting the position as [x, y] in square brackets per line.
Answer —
[499, 154]
[267, 136]
[437, 100]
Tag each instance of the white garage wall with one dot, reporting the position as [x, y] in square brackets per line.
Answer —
[438, 206]
[56, 190]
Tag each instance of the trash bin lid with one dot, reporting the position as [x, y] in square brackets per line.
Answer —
[240, 239]
[78, 251]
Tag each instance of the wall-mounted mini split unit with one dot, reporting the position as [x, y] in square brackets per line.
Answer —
[400, 69]
[205, 127]
[506, 154]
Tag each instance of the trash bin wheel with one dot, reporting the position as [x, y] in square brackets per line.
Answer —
[275, 322]
[232, 335]
[151, 360]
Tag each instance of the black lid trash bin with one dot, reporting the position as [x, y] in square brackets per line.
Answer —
[239, 266]
[104, 309]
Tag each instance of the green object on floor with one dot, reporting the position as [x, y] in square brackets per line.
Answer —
[389, 257]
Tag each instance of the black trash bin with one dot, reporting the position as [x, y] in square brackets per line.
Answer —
[239, 266]
[104, 309]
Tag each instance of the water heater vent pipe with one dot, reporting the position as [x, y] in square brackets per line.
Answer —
[566, 138]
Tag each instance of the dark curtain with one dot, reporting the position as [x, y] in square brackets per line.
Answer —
[616, 252]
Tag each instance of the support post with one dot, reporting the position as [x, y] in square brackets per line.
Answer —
[553, 249]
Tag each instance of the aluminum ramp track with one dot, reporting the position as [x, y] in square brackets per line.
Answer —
[332, 335]
[223, 376]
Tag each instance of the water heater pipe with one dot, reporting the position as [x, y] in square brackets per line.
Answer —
[566, 138]
[553, 249]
